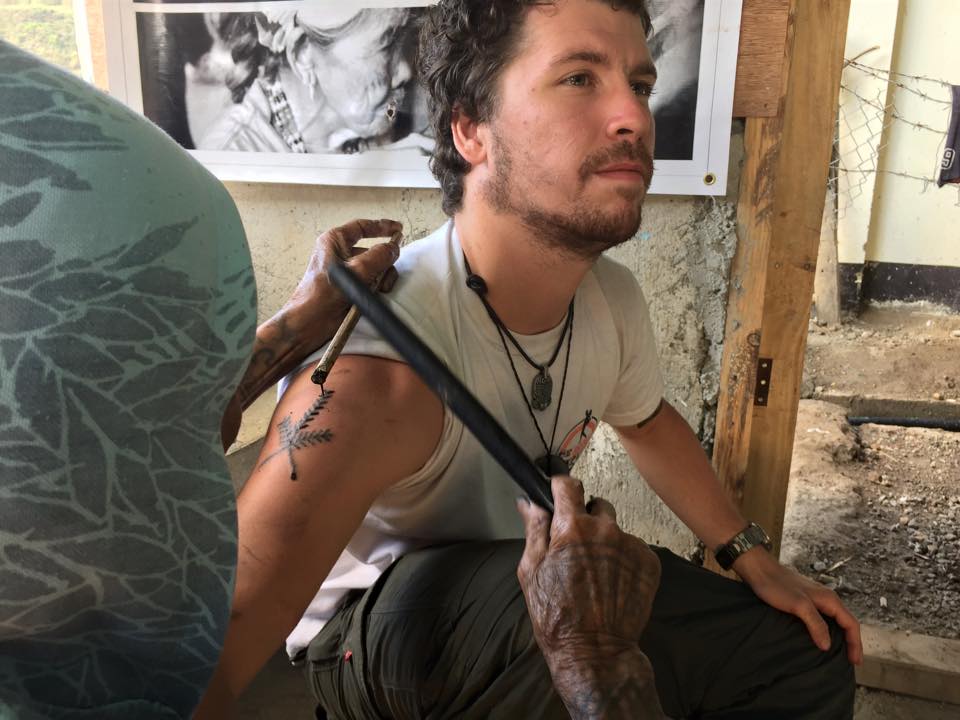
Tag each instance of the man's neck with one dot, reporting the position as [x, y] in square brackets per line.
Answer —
[529, 284]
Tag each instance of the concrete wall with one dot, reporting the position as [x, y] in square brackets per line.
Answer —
[912, 224]
[681, 257]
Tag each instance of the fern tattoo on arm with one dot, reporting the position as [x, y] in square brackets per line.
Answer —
[296, 437]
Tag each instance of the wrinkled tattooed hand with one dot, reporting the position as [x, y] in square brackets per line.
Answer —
[316, 308]
[589, 588]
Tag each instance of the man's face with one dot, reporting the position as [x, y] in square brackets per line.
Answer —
[571, 141]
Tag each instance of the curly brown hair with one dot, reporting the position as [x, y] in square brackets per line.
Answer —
[464, 46]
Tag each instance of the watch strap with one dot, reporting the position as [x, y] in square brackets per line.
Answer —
[746, 539]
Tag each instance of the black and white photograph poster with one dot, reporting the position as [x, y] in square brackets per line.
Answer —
[326, 92]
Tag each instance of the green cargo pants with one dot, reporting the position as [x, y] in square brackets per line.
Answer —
[444, 633]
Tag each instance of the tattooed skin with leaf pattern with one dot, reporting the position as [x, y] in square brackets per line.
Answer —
[296, 437]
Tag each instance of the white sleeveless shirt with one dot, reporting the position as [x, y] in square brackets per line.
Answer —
[461, 493]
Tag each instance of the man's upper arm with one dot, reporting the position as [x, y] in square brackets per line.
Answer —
[639, 383]
[324, 461]
[635, 436]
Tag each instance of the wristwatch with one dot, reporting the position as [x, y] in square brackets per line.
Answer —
[749, 537]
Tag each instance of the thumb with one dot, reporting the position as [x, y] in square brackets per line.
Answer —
[374, 263]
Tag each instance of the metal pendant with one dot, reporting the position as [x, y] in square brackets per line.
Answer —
[541, 391]
[552, 465]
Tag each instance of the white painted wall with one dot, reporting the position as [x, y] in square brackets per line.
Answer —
[911, 225]
[870, 36]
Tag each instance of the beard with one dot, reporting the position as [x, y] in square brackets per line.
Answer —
[584, 232]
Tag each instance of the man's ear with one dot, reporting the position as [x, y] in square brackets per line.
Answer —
[468, 137]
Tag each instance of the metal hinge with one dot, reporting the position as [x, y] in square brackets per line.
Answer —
[762, 391]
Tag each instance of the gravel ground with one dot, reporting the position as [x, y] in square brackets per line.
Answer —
[874, 512]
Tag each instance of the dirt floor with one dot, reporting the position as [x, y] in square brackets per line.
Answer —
[874, 511]
[892, 352]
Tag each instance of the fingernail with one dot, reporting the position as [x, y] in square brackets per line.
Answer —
[523, 501]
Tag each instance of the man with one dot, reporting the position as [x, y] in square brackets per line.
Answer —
[116, 523]
[544, 146]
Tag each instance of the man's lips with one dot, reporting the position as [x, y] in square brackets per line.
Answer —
[623, 162]
[626, 171]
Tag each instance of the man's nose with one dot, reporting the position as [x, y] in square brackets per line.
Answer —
[629, 115]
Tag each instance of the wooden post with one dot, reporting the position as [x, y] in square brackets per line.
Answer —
[826, 286]
[779, 219]
[819, 29]
[748, 272]
[738, 367]
[759, 87]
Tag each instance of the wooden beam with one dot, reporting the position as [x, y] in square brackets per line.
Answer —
[809, 118]
[919, 665]
[763, 32]
[826, 285]
[741, 344]
[748, 274]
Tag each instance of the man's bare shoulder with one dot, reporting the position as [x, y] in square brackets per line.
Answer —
[375, 421]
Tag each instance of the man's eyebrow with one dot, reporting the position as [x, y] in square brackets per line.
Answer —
[645, 68]
[595, 57]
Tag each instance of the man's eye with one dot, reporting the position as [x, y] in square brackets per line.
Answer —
[642, 89]
[578, 80]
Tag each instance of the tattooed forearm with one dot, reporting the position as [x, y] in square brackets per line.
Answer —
[298, 436]
[632, 699]
[275, 353]
[618, 687]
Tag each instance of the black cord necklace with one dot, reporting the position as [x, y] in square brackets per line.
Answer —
[549, 463]
[541, 389]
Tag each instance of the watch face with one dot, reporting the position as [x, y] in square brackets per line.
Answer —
[756, 535]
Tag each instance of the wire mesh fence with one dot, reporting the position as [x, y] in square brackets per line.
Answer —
[874, 103]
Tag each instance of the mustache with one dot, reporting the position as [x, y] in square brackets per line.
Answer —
[624, 151]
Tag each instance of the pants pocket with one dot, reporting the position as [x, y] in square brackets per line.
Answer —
[326, 660]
